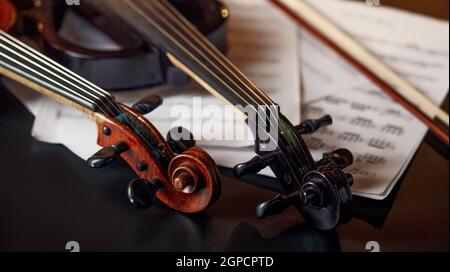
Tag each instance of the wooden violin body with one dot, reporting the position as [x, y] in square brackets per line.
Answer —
[111, 69]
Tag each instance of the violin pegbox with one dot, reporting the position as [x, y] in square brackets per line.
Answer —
[323, 194]
[186, 180]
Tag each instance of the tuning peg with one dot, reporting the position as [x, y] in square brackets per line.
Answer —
[107, 155]
[180, 139]
[148, 104]
[142, 193]
[277, 204]
[308, 195]
[312, 125]
[342, 157]
[254, 165]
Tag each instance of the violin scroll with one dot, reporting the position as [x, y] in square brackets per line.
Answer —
[321, 194]
[324, 198]
[187, 182]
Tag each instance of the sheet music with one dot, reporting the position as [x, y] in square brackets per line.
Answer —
[381, 134]
[414, 46]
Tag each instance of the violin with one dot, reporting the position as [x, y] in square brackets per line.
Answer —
[111, 69]
[182, 176]
[319, 190]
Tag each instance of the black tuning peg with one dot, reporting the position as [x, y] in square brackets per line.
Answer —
[312, 125]
[107, 155]
[277, 204]
[308, 195]
[180, 139]
[142, 193]
[254, 165]
[342, 157]
[148, 104]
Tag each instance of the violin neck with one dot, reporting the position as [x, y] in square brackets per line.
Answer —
[27, 66]
[160, 23]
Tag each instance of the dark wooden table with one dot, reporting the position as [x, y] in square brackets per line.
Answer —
[48, 197]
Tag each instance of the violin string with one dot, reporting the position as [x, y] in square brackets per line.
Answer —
[173, 40]
[85, 82]
[47, 78]
[54, 69]
[212, 50]
[185, 37]
[182, 22]
[162, 31]
[19, 66]
[73, 76]
[191, 34]
[5, 62]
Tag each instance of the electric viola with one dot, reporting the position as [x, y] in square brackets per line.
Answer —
[319, 190]
[182, 176]
[118, 66]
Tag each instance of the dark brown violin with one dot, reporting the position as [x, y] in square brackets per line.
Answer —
[319, 190]
[180, 175]
[111, 69]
